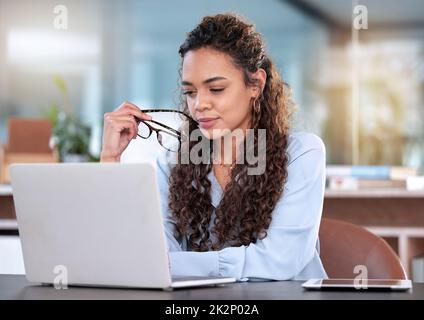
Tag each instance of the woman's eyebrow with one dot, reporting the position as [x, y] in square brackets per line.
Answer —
[187, 83]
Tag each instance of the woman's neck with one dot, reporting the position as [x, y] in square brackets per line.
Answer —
[227, 148]
[230, 143]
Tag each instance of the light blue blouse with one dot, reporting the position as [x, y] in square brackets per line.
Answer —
[290, 251]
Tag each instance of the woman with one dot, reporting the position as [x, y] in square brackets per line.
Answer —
[219, 219]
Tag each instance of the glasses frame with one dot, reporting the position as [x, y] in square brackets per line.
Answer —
[171, 131]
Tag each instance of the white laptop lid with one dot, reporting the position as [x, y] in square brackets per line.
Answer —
[101, 221]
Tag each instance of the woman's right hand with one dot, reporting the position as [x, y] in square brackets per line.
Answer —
[119, 128]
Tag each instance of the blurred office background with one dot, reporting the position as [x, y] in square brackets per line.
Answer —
[362, 91]
[127, 50]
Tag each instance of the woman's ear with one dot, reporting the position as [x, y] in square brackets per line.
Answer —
[260, 78]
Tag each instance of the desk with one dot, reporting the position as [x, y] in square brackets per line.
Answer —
[17, 287]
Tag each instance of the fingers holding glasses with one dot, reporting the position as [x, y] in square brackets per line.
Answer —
[127, 122]
[123, 124]
[120, 127]
[128, 108]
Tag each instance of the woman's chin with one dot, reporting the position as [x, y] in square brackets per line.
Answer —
[208, 133]
[213, 133]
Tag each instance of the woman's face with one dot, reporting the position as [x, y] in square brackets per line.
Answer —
[217, 96]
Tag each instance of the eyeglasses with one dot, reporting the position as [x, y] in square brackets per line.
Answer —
[167, 137]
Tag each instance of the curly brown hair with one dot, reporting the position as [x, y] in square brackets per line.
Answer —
[245, 211]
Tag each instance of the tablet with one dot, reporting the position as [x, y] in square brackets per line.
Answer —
[352, 284]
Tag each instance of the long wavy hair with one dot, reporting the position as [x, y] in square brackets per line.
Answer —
[245, 211]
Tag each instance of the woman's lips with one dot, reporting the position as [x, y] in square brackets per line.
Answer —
[207, 123]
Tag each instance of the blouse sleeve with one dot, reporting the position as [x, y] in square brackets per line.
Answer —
[290, 244]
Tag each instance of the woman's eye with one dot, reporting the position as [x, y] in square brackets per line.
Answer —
[217, 89]
[188, 92]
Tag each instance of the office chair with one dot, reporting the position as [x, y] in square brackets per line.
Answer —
[28, 141]
[345, 245]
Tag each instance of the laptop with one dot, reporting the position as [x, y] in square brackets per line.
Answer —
[94, 224]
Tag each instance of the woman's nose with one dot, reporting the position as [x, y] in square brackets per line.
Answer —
[201, 103]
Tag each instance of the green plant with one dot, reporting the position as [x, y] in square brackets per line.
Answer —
[70, 135]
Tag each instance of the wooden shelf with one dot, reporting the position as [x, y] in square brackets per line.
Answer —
[7, 207]
[8, 224]
[407, 242]
[374, 193]
[5, 190]
[396, 215]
